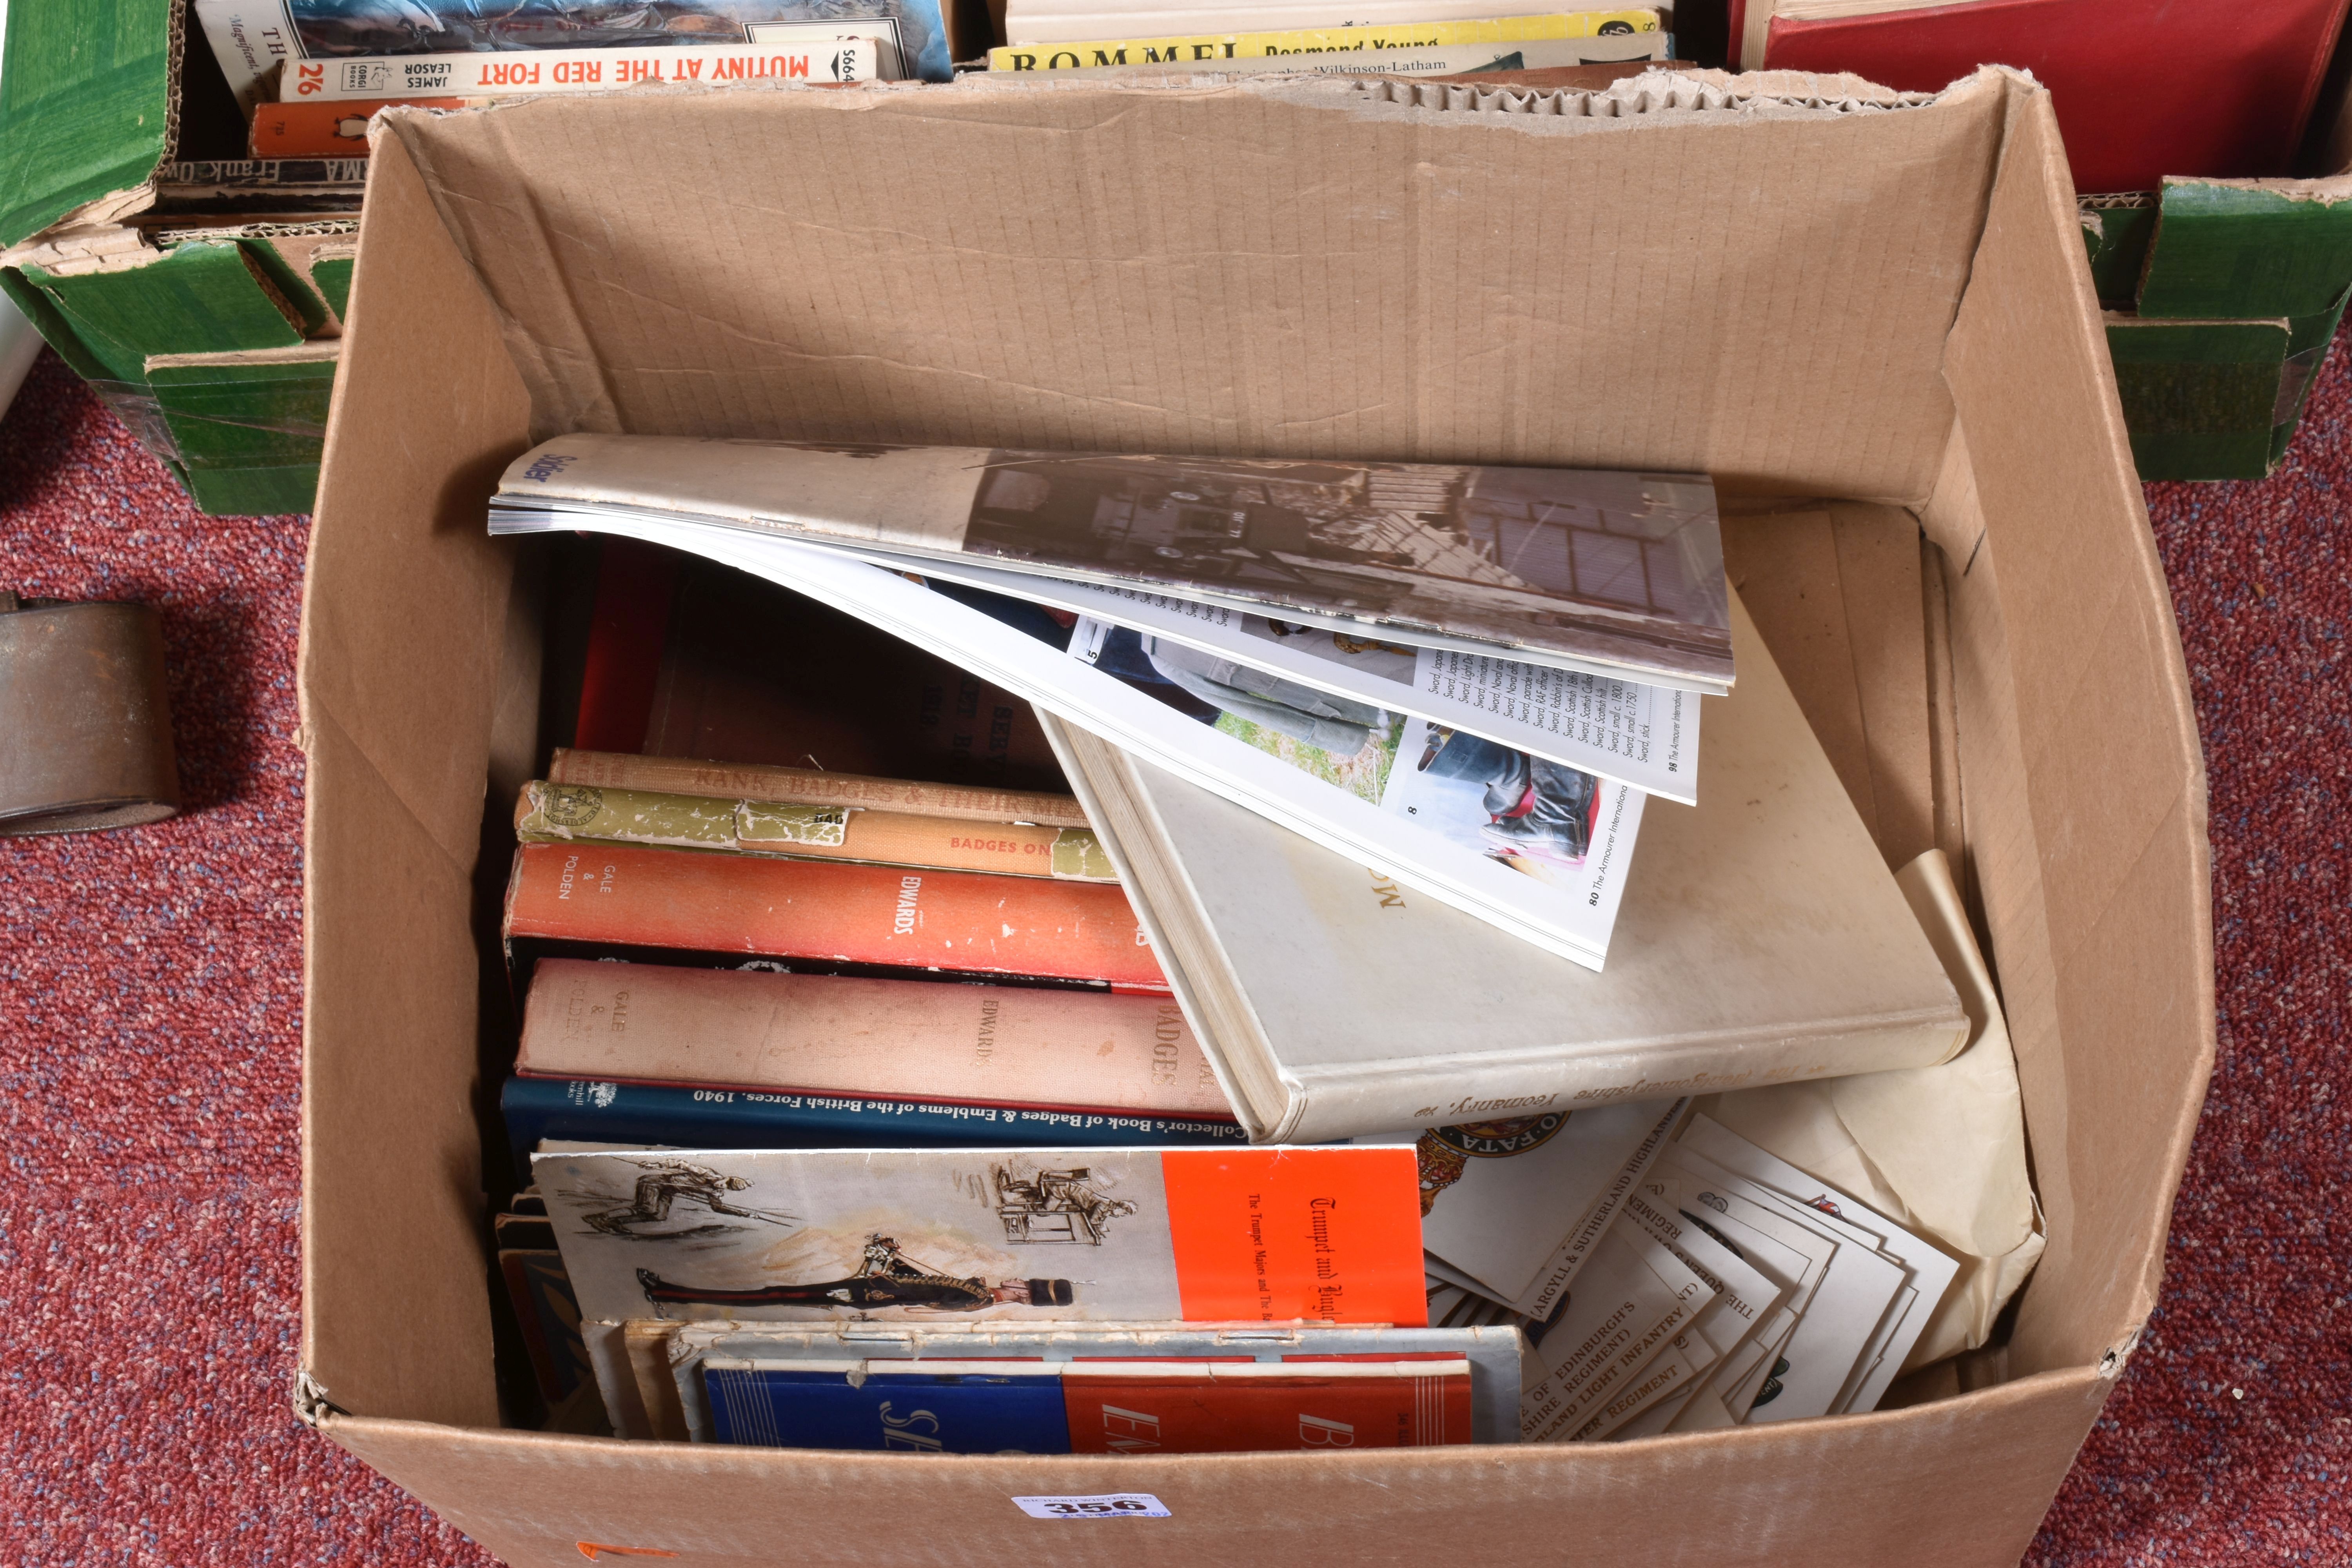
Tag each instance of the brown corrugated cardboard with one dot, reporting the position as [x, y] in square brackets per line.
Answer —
[1836, 587]
[2089, 846]
[1960, 1482]
[1808, 292]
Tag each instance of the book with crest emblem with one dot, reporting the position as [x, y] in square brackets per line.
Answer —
[564, 813]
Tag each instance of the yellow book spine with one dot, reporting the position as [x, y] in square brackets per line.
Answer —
[1208, 49]
[554, 813]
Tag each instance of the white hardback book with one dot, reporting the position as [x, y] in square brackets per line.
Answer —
[1761, 939]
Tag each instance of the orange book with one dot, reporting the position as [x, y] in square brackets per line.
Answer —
[1199, 1407]
[326, 129]
[830, 912]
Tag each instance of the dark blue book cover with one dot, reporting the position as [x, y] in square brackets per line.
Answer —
[547, 1313]
[588, 1112]
[898, 1412]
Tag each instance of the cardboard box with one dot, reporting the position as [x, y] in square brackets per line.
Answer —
[1801, 286]
[133, 229]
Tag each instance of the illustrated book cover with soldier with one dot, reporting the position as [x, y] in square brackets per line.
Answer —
[1262, 1235]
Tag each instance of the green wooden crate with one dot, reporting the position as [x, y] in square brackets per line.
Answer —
[2199, 398]
[2211, 277]
[90, 107]
[248, 428]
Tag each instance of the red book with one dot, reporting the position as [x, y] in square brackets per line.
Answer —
[2143, 89]
[690, 659]
[963, 922]
[1194, 1407]
[627, 630]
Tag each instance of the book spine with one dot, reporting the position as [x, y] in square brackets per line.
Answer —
[555, 813]
[644, 1115]
[483, 73]
[265, 175]
[1453, 59]
[548, 1316]
[807, 786]
[629, 626]
[327, 129]
[1210, 48]
[829, 910]
[525, 953]
[1114, 1412]
[1329, 1104]
[1011, 1412]
[514, 1264]
[984, 1044]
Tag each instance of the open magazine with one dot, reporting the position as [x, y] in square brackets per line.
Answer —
[1530, 845]
[1534, 815]
[1645, 736]
[1608, 574]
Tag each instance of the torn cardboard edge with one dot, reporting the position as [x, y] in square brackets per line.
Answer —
[1665, 89]
[312, 351]
[116, 205]
[1655, 91]
[513, 244]
[2326, 190]
[89, 230]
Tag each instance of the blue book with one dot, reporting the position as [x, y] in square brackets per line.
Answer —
[584, 1111]
[901, 1412]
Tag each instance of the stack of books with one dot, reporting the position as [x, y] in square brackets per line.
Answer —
[1120, 954]
[836, 972]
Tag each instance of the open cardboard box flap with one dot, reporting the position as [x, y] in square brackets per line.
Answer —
[1800, 286]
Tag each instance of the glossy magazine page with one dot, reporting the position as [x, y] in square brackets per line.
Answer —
[1613, 573]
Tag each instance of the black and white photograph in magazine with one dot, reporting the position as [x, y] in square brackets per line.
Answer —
[1623, 569]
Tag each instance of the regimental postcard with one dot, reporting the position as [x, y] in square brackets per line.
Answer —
[1516, 1205]
[1264, 1235]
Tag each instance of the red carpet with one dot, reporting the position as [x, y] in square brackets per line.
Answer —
[149, 1046]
